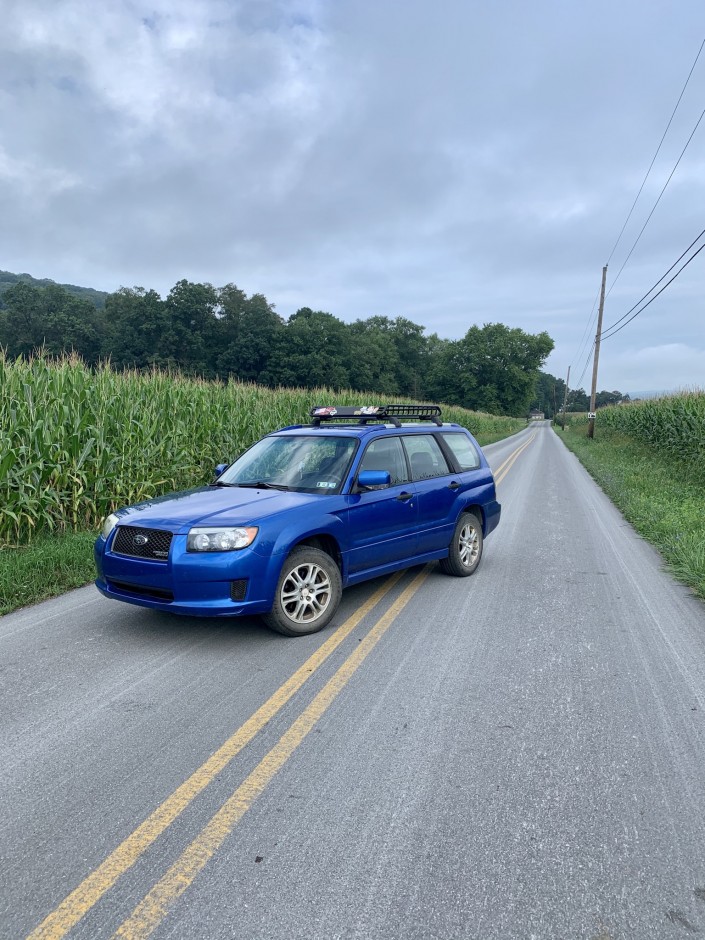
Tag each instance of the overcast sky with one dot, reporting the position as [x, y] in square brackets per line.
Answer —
[456, 162]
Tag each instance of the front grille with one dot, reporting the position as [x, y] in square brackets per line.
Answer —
[137, 542]
[140, 590]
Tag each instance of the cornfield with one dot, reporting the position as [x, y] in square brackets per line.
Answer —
[75, 443]
[675, 424]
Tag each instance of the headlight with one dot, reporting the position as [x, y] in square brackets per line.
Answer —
[220, 540]
[109, 525]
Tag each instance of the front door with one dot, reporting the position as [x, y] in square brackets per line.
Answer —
[383, 523]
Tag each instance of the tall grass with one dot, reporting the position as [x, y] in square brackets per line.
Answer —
[76, 443]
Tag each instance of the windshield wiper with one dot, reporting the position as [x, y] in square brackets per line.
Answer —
[221, 483]
[260, 485]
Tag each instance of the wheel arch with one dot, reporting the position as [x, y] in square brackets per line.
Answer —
[326, 543]
[477, 510]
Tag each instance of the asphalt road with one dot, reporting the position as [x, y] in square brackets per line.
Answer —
[520, 754]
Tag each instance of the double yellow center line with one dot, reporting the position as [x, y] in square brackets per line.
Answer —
[154, 907]
[504, 468]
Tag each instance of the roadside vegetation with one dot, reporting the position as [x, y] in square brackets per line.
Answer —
[222, 334]
[649, 458]
[77, 442]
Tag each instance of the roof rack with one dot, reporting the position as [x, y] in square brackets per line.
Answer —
[367, 413]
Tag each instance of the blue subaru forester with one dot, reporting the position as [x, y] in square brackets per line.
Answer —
[303, 513]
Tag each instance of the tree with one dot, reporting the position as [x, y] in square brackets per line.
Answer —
[445, 381]
[411, 364]
[548, 394]
[229, 313]
[493, 368]
[20, 320]
[578, 400]
[50, 318]
[602, 399]
[373, 362]
[248, 331]
[312, 350]
[191, 332]
[136, 320]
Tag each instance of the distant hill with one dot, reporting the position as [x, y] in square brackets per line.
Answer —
[7, 279]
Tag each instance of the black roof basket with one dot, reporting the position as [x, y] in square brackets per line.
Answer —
[367, 413]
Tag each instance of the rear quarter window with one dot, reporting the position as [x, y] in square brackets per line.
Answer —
[463, 450]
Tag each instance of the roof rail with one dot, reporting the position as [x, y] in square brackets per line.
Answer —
[367, 413]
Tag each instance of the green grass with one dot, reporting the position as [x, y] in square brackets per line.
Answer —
[661, 495]
[49, 566]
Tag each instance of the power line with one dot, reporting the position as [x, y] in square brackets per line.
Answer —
[634, 315]
[624, 316]
[587, 361]
[643, 183]
[588, 325]
[605, 333]
[697, 124]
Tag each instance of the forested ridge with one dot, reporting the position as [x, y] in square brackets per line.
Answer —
[221, 333]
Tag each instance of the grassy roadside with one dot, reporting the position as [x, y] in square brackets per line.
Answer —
[53, 564]
[662, 497]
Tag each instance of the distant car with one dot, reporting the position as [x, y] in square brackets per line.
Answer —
[305, 512]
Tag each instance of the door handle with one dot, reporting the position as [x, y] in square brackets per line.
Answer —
[454, 485]
[405, 496]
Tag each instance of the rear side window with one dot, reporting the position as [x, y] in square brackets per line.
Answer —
[425, 457]
[463, 450]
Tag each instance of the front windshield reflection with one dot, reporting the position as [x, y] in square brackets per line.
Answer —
[302, 463]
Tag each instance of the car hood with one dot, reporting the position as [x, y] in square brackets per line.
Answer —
[213, 505]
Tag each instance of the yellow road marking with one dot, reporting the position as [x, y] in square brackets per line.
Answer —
[82, 899]
[147, 916]
[508, 463]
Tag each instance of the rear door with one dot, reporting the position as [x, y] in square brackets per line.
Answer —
[437, 488]
[383, 523]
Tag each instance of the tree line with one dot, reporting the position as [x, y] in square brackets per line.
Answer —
[219, 333]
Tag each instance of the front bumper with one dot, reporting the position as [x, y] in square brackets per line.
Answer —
[207, 584]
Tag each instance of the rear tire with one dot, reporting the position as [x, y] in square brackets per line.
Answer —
[308, 593]
[465, 549]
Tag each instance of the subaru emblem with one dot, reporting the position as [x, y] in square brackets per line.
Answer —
[140, 540]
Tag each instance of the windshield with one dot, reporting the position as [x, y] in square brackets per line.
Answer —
[302, 463]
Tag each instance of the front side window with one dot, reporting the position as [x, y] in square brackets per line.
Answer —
[425, 457]
[463, 450]
[386, 454]
[302, 463]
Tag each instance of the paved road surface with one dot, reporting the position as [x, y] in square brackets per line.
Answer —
[520, 754]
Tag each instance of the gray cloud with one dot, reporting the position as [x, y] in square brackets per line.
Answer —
[457, 164]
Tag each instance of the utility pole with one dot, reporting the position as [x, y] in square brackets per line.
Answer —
[565, 399]
[591, 416]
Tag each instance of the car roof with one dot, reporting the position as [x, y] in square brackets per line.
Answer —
[372, 420]
[365, 430]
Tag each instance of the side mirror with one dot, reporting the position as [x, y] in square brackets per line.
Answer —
[220, 469]
[369, 478]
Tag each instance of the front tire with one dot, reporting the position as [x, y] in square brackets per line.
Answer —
[308, 593]
[465, 549]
